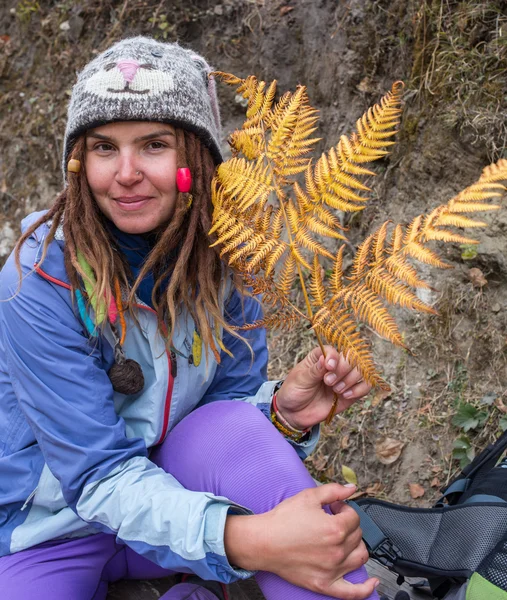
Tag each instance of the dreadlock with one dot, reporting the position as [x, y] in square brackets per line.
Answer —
[196, 274]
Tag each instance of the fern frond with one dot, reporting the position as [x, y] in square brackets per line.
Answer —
[317, 289]
[443, 235]
[380, 281]
[275, 256]
[317, 226]
[253, 242]
[495, 172]
[378, 249]
[303, 238]
[287, 275]
[340, 330]
[336, 282]
[368, 308]
[261, 253]
[396, 265]
[397, 238]
[245, 182]
[285, 320]
[362, 258]
[446, 219]
[465, 207]
[425, 255]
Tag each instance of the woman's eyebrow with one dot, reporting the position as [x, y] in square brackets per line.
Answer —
[143, 138]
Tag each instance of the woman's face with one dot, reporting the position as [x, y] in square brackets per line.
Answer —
[131, 171]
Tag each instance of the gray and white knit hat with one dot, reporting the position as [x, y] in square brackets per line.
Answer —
[141, 79]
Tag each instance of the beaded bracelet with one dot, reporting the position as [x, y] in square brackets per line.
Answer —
[283, 425]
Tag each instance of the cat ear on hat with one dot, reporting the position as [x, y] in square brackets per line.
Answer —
[209, 81]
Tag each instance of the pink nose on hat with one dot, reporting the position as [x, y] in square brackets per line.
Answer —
[128, 69]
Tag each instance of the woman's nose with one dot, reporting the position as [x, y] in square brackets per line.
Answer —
[128, 69]
[128, 172]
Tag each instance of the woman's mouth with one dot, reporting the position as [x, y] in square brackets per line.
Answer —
[132, 202]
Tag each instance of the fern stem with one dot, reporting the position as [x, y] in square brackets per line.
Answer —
[280, 197]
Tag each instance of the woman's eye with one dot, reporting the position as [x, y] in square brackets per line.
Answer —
[156, 145]
[103, 147]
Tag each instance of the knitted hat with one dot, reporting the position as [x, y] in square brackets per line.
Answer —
[140, 79]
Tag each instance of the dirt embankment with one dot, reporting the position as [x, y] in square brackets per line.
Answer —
[348, 54]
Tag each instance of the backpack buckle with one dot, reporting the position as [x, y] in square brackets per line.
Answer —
[387, 553]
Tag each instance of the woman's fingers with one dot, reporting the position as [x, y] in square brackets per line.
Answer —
[348, 591]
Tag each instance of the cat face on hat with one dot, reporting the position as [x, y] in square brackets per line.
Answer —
[141, 79]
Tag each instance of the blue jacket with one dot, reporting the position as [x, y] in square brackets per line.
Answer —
[70, 445]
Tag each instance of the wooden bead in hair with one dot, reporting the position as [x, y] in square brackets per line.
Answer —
[74, 166]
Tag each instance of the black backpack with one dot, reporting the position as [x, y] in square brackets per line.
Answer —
[459, 545]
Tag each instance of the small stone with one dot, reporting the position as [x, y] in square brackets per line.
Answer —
[65, 26]
[219, 9]
[496, 308]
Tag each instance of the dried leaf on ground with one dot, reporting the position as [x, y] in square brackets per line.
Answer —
[501, 406]
[349, 475]
[286, 9]
[380, 396]
[416, 490]
[345, 441]
[435, 482]
[389, 450]
[477, 278]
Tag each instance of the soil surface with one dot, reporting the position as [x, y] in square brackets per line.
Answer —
[403, 445]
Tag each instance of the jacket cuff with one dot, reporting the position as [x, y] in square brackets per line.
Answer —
[214, 527]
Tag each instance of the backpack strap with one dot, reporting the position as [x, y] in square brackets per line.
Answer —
[380, 547]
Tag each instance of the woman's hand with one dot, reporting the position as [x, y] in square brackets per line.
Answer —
[307, 394]
[303, 544]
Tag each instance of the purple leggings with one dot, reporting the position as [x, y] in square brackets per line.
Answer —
[227, 448]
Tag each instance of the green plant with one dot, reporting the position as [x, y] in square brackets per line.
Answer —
[161, 22]
[469, 417]
[463, 451]
[26, 8]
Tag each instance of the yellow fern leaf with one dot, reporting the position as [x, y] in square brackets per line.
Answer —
[396, 265]
[298, 256]
[256, 101]
[317, 226]
[444, 235]
[231, 232]
[336, 282]
[413, 230]
[284, 320]
[362, 258]
[446, 219]
[337, 172]
[238, 239]
[397, 239]
[368, 308]
[464, 207]
[317, 289]
[245, 182]
[304, 239]
[379, 239]
[287, 275]
[423, 254]
[248, 248]
[261, 253]
[292, 216]
[340, 330]
[383, 283]
[273, 258]
[495, 172]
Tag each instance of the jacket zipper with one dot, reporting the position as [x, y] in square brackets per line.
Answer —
[171, 359]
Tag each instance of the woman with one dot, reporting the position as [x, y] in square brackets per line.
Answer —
[122, 453]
